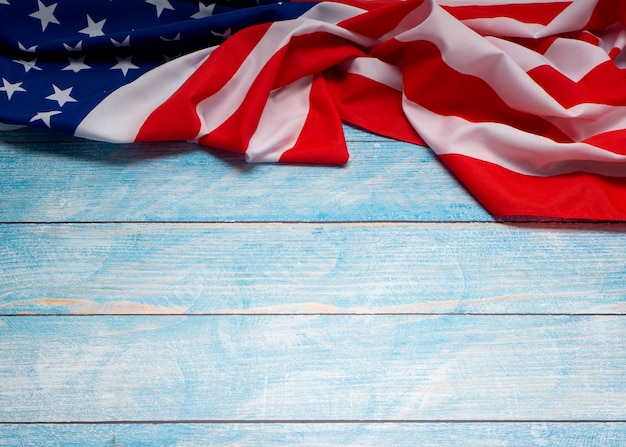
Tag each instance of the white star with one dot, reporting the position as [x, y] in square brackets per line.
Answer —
[28, 65]
[76, 65]
[61, 96]
[224, 35]
[45, 117]
[123, 43]
[45, 14]
[27, 50]
[175, 38]
[77, 47]
[9, 88]
[160, 5]
[124, 64]
[203, 11]
[4, 2]
[93, 29]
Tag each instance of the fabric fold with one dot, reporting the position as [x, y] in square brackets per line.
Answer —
[524, 102]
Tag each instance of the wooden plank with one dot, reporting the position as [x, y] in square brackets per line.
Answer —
[313, 368]
[81, 181]
[323, 434]
[312, 268]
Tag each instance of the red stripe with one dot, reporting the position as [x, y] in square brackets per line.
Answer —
[321, 139]
[611, 141]
[606, 13]
[235, 132]
[540, 13]
[176, 119]
[506, 194]
[605, 84]
[614, 53]
[313, 53]
[372, 106]
[431, 83]
[540, 45]
[588, 37]
[382, 20]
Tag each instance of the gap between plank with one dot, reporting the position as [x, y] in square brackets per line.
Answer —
[329, 421]
[616, 225]
[318, 314]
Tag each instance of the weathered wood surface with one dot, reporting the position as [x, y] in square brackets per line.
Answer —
[312, 268]
[398, 368]
[322, 434]
[79, 181]
[164, 294]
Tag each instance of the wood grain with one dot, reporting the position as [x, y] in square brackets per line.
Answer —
[197, 300]
[323, 434]
[328, 368]
[311, 268]
[81, 181]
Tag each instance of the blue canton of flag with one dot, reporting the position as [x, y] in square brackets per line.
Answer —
[60, 58]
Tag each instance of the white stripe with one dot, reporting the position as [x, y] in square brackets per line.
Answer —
[586, 120]
[119, 117]
[510, 148]
[216, 109]
[416, 18]
[332, 13]
[575, 58]
[526, 58]
[612, 37]
[282, 121]
[376, 70]
[506, 27]
[573, 18]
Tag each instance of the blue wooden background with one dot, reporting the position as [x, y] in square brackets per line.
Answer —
[169, 295]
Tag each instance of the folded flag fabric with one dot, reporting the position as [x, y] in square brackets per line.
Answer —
[524, 101]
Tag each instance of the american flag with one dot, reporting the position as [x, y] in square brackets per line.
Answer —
[524, 101]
